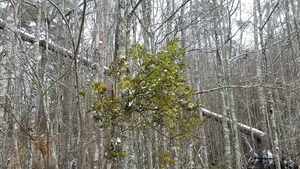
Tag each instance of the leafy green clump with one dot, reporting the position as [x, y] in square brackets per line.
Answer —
[155, 92]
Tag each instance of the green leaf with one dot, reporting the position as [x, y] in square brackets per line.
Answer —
[82, 93]
[154, 87]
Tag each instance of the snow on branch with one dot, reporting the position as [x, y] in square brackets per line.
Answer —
[271, 86]
[257, 134]
[43, 43]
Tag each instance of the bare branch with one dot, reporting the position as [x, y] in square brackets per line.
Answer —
[172, 15]
[134, 8]
[246, 87]
[66, 22]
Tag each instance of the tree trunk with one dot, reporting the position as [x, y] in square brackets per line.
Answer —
[263, 75]
[229, 92]
[263, 144]
[220, 76]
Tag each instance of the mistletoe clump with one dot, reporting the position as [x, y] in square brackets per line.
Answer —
[153, 93]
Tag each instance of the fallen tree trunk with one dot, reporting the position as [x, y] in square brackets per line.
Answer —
[257, 134]
[42, 43]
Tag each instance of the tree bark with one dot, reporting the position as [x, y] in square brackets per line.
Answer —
[220, 77]
[229, 92]
[257, 134]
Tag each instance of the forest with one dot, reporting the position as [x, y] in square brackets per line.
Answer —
[149, 84]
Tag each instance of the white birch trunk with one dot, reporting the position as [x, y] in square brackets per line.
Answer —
[229, 93]
[13, 92]
[38, 74]
[131, 163]
[149, 148]
[290, 144]
[204, 155]
[52, 158]
[190, 150]
[6, 84]
[274, 129]
[203, 152]
[259, 74]
[16, 158]
[121, 49]
[270, 119]
[220, 76]
[156, 160]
